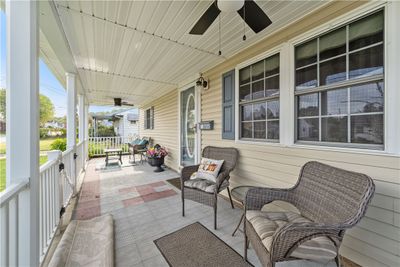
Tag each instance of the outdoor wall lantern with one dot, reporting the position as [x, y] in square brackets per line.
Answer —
[202, 83]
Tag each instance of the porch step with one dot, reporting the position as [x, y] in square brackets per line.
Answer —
[86, 243]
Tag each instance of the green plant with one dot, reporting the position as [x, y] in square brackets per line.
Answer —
[59, 144]
[43, 133]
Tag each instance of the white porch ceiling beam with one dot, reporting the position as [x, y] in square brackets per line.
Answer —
[22, 29]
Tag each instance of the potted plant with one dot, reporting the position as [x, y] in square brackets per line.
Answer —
[156, 157]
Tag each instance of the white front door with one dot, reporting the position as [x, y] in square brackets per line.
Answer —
[189, 133]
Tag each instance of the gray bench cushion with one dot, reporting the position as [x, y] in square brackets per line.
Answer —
[266, 223]
[205, 185]
[86, 243]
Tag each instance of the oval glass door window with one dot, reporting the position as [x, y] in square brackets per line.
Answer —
[188, 124]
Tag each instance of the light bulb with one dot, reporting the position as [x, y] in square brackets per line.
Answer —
[230, 5]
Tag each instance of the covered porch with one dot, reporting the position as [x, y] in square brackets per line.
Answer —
[196, 91]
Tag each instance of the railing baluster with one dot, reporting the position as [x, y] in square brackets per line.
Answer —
[13, 228]
[5, 231]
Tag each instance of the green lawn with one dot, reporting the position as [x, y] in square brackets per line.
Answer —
[44, 145]
[43, 159]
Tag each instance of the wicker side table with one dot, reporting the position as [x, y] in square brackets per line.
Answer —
[239, 194]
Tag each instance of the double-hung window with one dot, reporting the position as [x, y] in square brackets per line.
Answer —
[259, 100]
[149, 119]
[339, 85]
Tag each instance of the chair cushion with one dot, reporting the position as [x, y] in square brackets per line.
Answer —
[208, 169]
[204, 185]
[86, 243]
[320, 249]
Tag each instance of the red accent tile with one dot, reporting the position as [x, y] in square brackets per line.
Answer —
[161, 183]
[158, 195]
[145, 191]
[87, 213]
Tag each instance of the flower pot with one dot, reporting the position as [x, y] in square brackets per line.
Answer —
[157, 162]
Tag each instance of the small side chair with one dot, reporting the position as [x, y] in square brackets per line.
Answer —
[205, 191]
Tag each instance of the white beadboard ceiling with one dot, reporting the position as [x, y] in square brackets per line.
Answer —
[137, 50]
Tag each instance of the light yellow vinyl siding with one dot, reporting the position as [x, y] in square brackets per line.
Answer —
[376, 240]
[166, 121]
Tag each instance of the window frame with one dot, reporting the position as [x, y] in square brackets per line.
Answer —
[346, 84]
[238, 104]
[149, 118]
[287, 134]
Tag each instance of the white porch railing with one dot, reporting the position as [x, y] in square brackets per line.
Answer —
[98, 144]
[50, 203]
[80, 160]
[9, 216]
[68, 175]
[57, 184]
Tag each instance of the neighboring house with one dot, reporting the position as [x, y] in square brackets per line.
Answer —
[125, 122]
[54, 124]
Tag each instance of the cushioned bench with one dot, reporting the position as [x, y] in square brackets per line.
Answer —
[86, 243]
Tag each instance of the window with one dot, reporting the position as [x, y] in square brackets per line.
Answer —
[259, 100]
[339, 85]
[149, 119]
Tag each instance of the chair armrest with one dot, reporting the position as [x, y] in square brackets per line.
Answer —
[187, 171]
[222, 176]
[290, 236]
[257, 197]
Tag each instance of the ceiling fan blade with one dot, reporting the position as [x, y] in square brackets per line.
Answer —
[255, 16]
[206, 20]
[127, 104]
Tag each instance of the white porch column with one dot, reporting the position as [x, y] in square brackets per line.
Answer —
[23, 125]
[81, 115]
[86, 132]
[71, 111]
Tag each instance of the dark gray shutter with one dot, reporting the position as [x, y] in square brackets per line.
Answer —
[228, 105]
[152, 118]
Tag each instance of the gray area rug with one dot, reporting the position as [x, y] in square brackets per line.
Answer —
[194, 245]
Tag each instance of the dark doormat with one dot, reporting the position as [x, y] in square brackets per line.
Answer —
[194, 245]
[176, 182]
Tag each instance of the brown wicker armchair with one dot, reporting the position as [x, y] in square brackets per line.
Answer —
[139, 149]
[209, 197]
[330, 201]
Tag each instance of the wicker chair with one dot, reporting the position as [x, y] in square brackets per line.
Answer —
[139, 149]
[332, 200]
[230, 156]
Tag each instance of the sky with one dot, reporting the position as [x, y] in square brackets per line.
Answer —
[49, 85]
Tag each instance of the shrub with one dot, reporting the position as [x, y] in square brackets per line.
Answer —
[59, 144]
[43, 133]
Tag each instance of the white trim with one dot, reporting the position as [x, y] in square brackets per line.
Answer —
[392, 77]
[271, 52]
[337, 22]
[198, 119]
[324, 28]
[287, 77]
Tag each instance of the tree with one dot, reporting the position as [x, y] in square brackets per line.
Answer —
[2, 103]
[46, 107]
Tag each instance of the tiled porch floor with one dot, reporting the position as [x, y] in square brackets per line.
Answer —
[145, 208]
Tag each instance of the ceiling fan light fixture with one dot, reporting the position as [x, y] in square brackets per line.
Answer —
[230, 5]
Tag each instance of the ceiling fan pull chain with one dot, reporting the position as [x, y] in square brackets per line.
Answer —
[219, 34]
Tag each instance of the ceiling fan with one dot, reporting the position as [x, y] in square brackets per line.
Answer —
[250, 12]
[118, 103]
